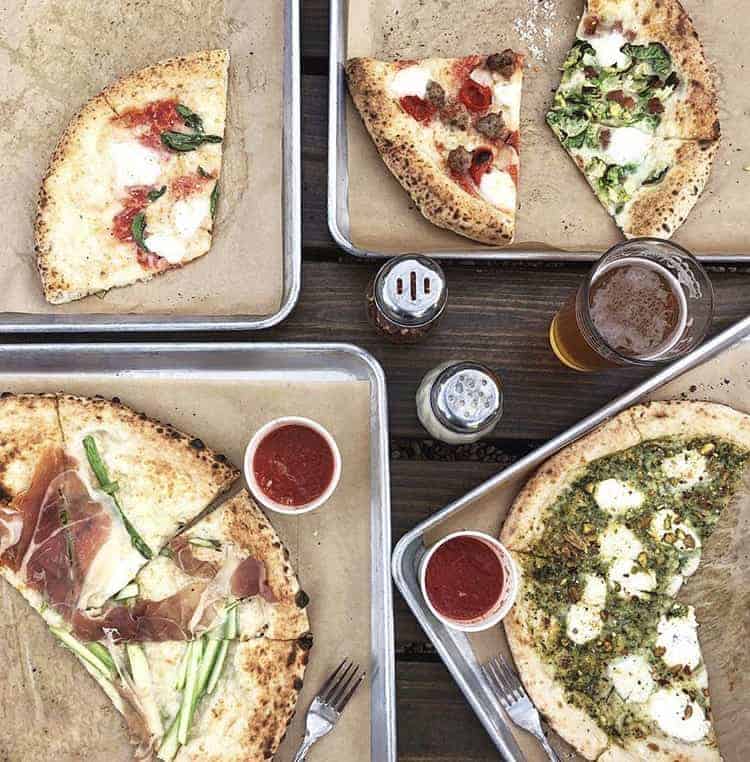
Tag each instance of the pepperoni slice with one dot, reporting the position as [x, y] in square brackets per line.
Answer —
[417, 107]
[474, 96]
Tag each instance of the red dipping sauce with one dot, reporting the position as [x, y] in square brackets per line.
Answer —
[464, 579]
[293, 465]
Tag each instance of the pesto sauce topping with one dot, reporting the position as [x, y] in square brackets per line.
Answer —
[557, 565]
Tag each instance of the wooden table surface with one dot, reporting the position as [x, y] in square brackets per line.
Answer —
[498, 313]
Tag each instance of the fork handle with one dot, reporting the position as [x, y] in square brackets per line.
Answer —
[303, 749]
[551, 753]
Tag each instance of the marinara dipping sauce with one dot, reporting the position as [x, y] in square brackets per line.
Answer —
[469, 580]
[292, 465]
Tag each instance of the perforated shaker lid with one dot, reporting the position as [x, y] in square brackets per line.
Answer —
[411, 290]
[467, 398]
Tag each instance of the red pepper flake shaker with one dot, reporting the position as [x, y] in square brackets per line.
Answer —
[407, 298]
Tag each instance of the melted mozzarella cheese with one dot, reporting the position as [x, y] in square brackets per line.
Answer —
[189, 214]
[668, 708]
[616, 497]
[584, 621]
[498, 188]
[608, 49]
[631, 678]
[507, 93]
[628, 145]
[678, 636]
[687, 468]
[633, 581]
[482, 76]
[410, 81]
[135, 164]
[170, 247]
[674, 585]
[617, 541]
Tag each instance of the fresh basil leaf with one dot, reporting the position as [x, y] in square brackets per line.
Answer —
[137, 229]
[190, 118]
[156, 193]
[202, 172]
[214, 199]
[187, 141]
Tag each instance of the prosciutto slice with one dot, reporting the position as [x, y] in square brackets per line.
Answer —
[63, 528]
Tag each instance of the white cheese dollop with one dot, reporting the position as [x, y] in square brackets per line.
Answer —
[616, 497]
[171, 247]
[507, 94]
[677, 715]
[498, 188]
[687, 468]
[482, 76]
[135, 164]
[628, 145]
[631, 678]
[410, 81]
[617, 541]
[608, 49]
[188, 214]
[584, 621]
[634, 582]
[679, 637]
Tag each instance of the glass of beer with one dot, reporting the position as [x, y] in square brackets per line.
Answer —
[645, 302]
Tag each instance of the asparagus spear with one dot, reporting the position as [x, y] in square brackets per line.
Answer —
[169, 744]
[100, 471]
[191, 685]
[218, 666]
[83, 653]
[129, 591]
[141, 674]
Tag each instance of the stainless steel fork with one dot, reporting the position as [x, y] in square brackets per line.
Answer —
[508, 688]
[327, 706]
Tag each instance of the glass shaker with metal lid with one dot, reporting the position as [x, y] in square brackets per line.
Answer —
[460, 402]
[407, 298]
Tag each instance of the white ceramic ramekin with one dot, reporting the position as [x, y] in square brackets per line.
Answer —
[510, 587]
[254, 487]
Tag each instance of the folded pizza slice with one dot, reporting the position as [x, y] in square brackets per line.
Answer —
[132, 186]
[448, 129]
[637, 109]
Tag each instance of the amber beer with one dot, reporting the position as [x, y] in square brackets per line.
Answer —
[632, 309]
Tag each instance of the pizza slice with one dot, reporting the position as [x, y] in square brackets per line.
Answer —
[605, 535]
[448, 129]
[637, 110]
[132, 186]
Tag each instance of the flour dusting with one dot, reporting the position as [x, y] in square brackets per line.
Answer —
[536, 26]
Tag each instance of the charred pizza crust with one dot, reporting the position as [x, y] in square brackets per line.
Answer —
[399, 140]
[524, 525]
[76, 253]
[658, 210]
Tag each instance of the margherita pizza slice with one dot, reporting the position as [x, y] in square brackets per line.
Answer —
[132, 186]
[605, 535]
[448, 129]
[637, 110]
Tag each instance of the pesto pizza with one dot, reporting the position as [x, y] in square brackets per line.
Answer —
[637, 110]
[605, 534]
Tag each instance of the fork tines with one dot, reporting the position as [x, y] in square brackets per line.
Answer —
[505, 680]
[341, 685]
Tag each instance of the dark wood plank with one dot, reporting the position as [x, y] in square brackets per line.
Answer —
[434, 720]
[315, 29]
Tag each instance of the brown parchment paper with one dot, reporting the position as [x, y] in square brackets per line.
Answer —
[557, 208]
[50, 709]
[55, 55]
[720, 590]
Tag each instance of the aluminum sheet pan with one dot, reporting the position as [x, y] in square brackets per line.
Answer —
[338, 166]
[262, 362]
[454, 646]
[292, 235]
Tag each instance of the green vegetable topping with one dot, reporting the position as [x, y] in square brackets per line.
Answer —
[655, 54]
[156, 193]
[190, 118]
[214, 200]
[137, 229]
[187, 141]
[100, 471]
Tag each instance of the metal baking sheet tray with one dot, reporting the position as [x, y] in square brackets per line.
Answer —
[292, 235]
[454, 647]
[407, 28]
[248, 363]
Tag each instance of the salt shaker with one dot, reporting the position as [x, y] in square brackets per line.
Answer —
[407, 298]
[460, 402]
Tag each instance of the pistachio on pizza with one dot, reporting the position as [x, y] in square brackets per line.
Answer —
[132, 186]
[606, 534]
[448, 129]
[637, 110]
